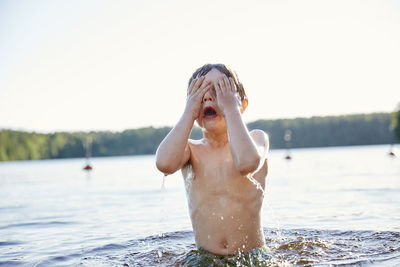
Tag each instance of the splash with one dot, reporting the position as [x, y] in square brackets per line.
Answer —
[163, 182]
[189, 179]
[160, 234]
[270, 209]
[256, 183]
[276, 220]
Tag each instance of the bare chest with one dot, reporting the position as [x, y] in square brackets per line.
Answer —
[214, 172]
[211, 164]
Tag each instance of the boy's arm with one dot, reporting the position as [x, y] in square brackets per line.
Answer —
[174, 152]
[248, 149]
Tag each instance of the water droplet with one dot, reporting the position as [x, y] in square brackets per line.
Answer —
[189, 178]
[256, 183]
[208, 236]
[163, 182]
[222, 218]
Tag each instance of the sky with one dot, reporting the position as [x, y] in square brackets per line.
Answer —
[115, 65]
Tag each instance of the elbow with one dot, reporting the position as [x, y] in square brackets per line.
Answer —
[164, 167]
[163, 164]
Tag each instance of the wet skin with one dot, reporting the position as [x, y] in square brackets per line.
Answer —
[224, 205]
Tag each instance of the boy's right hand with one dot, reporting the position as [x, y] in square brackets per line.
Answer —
[195, 94]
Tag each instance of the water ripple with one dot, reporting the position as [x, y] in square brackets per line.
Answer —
[36, 224]
[304, 247]
[10, 243]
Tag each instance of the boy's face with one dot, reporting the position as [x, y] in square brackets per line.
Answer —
[210, 116]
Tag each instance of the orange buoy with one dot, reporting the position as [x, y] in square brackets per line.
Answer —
[88, 167]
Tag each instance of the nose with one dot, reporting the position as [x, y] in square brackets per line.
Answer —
[208, 96]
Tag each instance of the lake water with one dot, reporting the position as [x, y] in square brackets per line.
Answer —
[326, 207]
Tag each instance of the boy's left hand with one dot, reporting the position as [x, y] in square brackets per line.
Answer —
[227, 97]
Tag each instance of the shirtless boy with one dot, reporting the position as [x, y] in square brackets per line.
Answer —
[224, 205]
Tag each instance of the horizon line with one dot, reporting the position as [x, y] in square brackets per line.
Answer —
[195, 126]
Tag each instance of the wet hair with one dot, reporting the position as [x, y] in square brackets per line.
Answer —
[223, 69]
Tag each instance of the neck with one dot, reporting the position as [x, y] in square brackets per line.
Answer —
[216, 138]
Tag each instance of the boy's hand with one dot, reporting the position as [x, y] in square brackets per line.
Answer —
[227, 97]
[195, 94]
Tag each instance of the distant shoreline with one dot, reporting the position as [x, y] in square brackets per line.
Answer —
[328, 131]
[396, 146]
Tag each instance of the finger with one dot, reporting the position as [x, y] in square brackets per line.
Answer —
[198, 83]
[204, 84]
[213, 92]
[221, 85]
[203, 87]
[191, 86]
[233, 85]
[227, 84]
[217, 89]
[194, 85]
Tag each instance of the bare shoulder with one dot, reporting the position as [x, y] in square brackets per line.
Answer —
[194, 144]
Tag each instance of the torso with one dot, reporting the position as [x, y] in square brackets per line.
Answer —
[224, 206]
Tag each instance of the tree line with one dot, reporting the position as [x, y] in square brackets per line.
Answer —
[360, 129]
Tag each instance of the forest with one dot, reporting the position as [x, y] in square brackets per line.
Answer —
[346, 130]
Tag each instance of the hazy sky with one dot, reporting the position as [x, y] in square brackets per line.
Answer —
[112, 65]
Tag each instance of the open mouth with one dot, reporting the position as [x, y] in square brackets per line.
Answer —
[209, 112]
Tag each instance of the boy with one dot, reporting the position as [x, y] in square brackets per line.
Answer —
[224, 204]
